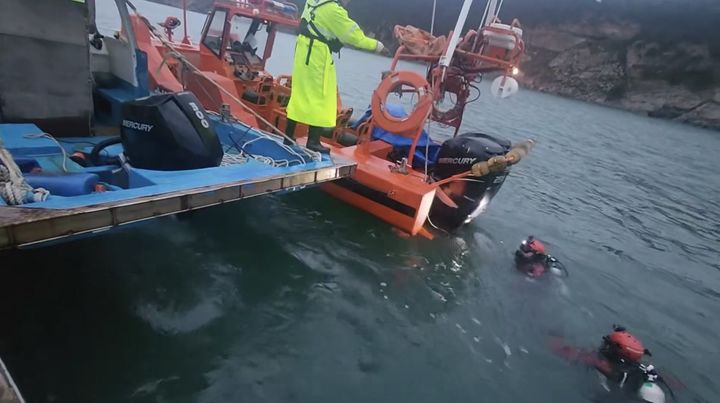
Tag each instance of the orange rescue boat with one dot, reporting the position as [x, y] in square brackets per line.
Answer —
[402, 176]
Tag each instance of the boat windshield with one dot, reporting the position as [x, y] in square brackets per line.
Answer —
[247, 37]
[214, 34]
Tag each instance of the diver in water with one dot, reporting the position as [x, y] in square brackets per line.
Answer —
[532, 259]
[619, 360]
[620, 354]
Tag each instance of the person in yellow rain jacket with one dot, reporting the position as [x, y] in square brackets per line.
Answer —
[324, 28]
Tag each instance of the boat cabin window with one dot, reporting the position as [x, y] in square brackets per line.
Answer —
[111, 53]
[247, 39]
[214, 34]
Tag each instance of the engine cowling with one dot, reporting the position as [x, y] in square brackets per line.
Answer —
[169, 132]
[472, 194]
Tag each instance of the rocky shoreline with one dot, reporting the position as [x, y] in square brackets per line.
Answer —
[609, 64]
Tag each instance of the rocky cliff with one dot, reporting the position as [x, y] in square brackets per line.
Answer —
[656, 57]
[612, 63]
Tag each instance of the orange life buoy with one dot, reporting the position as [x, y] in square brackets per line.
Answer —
[454, 84]
[416, 119]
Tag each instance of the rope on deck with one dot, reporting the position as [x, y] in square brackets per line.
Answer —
[14, 189]
[233, 159]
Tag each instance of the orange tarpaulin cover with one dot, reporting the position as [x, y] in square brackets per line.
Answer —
[419, 42]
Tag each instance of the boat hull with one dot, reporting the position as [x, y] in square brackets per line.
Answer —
[402, 199]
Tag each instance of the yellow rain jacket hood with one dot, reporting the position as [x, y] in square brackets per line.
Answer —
[313, 99]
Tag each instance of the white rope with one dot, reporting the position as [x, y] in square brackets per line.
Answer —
[497, 13]
[435, 226]
[14, 190]
[427, 146]
[232, 159]
[49, 136]
[243, 156]
[484, 17]
[482, 24]
[287, 148]
[492, 13]
[270, 137]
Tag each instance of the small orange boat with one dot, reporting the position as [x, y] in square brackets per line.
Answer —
[402, 176]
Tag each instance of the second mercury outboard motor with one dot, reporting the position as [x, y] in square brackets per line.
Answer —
[471, 194]
[169, 132]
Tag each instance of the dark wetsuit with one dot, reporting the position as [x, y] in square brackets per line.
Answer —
[531, 263]
[628, 375]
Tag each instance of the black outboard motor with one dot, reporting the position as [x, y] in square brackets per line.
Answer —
[169, 132]
[471, 194]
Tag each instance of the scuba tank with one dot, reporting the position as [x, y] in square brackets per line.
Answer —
[557, 267]
[650, 391]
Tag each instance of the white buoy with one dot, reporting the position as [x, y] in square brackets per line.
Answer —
[504, 86]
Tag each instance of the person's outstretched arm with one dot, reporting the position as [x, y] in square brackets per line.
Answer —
[337, 21]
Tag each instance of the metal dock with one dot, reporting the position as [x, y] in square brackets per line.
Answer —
[23, 227]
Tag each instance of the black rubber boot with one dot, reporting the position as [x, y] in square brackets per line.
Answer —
[289, 131]
[313, 142]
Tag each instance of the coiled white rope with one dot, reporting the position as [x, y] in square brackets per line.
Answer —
[262, 135]
[14, 189]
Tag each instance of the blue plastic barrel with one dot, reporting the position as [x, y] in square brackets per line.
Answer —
[64, 185]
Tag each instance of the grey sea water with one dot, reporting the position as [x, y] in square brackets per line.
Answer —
[300, 298]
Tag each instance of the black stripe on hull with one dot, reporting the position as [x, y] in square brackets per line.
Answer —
[376, 196]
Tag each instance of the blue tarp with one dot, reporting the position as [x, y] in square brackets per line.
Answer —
[401, 143]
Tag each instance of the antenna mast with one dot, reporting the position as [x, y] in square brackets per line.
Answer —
[432, 22]
[186, 39]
